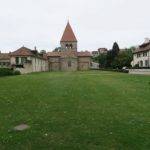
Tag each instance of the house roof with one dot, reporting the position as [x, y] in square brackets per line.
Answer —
[69, 53]
[4, 56]
[23, 51]
[84, 54]
[68, 35]
[142, 48]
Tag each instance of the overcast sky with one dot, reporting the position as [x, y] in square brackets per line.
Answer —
[96, 23]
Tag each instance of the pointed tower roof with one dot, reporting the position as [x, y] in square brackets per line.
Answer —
[68, 35]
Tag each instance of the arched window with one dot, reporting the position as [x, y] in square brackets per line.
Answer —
[67, 46]
[71, 46]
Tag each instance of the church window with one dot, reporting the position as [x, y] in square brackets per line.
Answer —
[71, 46]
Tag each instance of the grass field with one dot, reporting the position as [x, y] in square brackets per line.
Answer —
[75, 110]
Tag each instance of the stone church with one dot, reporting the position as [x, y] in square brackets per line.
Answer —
[68, 58]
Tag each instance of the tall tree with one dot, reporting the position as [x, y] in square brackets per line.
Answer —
[115, 50]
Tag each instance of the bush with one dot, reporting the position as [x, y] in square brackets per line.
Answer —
[8, 72]
[16, 72]
[115, 70]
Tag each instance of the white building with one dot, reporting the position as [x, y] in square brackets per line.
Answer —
[27, 61]
[141, 56]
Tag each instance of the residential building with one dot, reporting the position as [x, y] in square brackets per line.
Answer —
[26, 60]
[141, 56]
[102, 50]
[95, 53]
[4, 60]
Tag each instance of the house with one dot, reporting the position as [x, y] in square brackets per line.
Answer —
[68, 58]
[99, 51]
[4, 60]
[141, 55]
[95, 53]
[102, 50]
[26, 60]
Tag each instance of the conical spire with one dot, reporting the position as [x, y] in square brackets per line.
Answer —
[68, 35]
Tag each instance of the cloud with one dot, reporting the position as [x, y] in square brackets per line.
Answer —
[97, 23]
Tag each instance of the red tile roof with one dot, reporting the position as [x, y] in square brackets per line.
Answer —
[4, 56]
[84, 54]
[68, 35]
[69, 53]
[143, 47]
[23, 51]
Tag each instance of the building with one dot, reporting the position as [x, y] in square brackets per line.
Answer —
[102, 50]
[26, 60]
[99, 51]
[4, 60]
[69, 59]
[95, 53]
[141, 55]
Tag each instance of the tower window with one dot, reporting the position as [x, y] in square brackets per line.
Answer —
[67, 46]
[71, 46]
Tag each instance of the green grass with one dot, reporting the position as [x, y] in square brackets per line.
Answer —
[75, 110]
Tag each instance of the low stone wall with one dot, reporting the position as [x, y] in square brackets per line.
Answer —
[139, 71]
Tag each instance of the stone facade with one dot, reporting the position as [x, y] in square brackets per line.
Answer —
[68, 46]
[69, 59]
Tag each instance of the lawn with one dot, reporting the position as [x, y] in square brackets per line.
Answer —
[90, 110]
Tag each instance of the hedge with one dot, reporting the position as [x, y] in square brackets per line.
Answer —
[8, 72]
[116, 70]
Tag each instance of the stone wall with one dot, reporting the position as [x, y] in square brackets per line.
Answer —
[74, 45]
[69, 64]
[84, 63]
[54, 63]
[139, 71]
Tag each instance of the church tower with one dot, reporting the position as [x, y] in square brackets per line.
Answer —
[68, 40]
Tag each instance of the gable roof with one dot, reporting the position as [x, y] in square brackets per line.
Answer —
[143, 48]
[23, 51]
[69, 53]
[4, 56]
[84, 54]
[68, 35]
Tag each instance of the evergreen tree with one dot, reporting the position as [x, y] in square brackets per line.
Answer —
[115, 50]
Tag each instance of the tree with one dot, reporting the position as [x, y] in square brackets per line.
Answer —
[102, 60]
[115, 50]
[123, 59]
[57, 49]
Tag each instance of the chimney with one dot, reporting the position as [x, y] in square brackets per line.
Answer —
[35, 48]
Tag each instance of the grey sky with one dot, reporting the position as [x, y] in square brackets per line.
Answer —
[96, 23]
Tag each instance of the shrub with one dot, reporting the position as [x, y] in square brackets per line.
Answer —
[16, 72]
[115, 70]
[8, 72]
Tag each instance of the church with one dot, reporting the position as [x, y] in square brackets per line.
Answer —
[68, 58]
